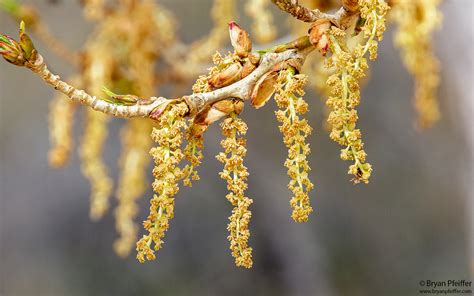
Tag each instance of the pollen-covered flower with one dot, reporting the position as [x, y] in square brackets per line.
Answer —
[235, 173]
[193, 154]
[167, 155]
[289, 92]
[133, 181]
[350, 64]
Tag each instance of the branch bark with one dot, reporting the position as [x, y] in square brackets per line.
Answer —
[153, 107]
[38, 66]
[146, 107]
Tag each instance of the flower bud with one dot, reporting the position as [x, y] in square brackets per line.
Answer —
[254, 58]
[247, 69]
[10, 50]
[264, 89]
[229, 106]
[218, 110]
[226, 77]
[318, 35]
[160, 109]
[209, 116]
[240, 40]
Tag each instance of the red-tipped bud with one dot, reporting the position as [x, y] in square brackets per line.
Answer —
[240, 40]
[318, 35]
[10, 50]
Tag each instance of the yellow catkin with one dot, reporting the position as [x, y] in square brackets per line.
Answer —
[263, 28]
[193, 154]
[417, 20]
[97, 73]
[61, 119]
[235, 173]
[144, 42]
[289, 92]
[134, 160]
[167, 155]
[92, 165]
[350, 65]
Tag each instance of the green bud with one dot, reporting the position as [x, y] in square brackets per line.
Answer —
[26, 43]
[114, 98]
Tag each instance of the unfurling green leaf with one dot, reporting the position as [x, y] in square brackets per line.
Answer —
[25, 42]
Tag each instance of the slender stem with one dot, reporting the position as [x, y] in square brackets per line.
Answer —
[38, 66]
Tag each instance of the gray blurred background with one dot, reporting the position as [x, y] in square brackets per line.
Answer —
[412, 222]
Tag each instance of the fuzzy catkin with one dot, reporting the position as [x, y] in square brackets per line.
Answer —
[92, 165]
[417, 20]
[61, 119]
[134, 160]
[289, 92]
[235, 173]
[97, 72]
[167, 156]
[193, 154]
[153, 29]
[350, 65]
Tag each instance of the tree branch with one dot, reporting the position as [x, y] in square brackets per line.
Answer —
[243, 88]
[153, 106]
[142, 108]
[23, 53]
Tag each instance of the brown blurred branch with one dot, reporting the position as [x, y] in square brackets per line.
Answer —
[300, 12]
[342, 18]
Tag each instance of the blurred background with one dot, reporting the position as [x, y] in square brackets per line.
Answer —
[413, 222]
